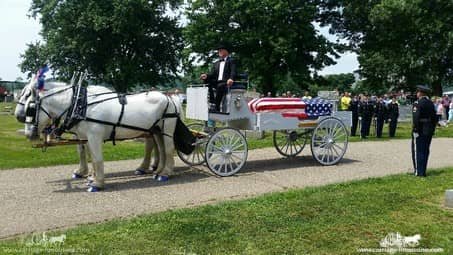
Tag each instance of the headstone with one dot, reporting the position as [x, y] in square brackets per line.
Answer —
[449, 198]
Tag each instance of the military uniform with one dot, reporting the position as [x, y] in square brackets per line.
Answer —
[380, 112]
[393, 114]
[355, 115]
[423, 127]
[366, 113]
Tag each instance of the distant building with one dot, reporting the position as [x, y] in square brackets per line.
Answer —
[12, 87]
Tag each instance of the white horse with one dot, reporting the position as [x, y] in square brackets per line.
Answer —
[142, 111]
[28, 95]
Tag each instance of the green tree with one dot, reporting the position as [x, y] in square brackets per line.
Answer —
[274, 41]
[33, 58]
[119, 42]
[342, 82]
[401, 43]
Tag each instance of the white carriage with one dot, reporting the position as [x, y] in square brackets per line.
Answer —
[225, 149]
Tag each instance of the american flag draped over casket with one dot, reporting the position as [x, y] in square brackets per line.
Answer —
[292, 107]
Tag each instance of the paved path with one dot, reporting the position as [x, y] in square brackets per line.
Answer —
[45, 198]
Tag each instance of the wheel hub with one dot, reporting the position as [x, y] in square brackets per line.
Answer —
[328, 142]
[227, 151]
[293, 136]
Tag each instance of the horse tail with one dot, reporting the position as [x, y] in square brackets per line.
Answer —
[178, 105]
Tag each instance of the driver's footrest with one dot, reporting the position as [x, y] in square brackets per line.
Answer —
[217, 112]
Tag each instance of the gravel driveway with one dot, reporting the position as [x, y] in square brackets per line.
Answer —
[45, 198]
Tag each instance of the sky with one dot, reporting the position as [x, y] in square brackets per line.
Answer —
[17, 29]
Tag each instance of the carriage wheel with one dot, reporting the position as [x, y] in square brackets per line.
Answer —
[329, 141]
[197, 156]
[226, 152]
[289, 143]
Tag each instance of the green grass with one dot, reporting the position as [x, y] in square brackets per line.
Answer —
[334, 219]
[16, 150]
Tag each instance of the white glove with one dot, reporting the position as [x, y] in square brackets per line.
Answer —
[415, 135]
[360, 118]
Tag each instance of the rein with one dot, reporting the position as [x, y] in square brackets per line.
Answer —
[60, 129]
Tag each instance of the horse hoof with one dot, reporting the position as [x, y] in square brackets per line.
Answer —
[93, 189]
[154, 168]
[139, 172]
[76, 176]
[160, 178]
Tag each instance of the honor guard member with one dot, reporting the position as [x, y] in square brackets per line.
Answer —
[380, 113]
[354, 107]
[423, 127]
[393, 114]
[366, 114]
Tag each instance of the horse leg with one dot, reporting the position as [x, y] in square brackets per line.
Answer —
[159, 155]
[144, 166]
[82, 171]
[169, 149]
[155, 154]
[95, 147]
[151, 154]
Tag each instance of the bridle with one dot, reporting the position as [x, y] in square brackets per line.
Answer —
[33, 109]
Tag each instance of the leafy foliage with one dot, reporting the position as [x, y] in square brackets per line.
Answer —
[401, 42]
[273, 40]
[342, 82]
[118, 42]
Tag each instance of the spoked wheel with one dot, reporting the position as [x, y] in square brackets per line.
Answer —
[289, 143]
[197, 156]
[226, 152]
[329, 141]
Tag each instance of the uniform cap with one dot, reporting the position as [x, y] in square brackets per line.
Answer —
[423, 88]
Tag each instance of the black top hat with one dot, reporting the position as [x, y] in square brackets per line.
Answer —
[424, 89]
[223, 46]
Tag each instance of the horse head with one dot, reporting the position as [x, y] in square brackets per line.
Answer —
[27, 95]
[28, 107]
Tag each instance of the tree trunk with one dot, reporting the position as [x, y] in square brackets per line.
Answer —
[437, 88]
[268, 84]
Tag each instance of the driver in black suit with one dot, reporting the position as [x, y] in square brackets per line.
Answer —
[221, 77]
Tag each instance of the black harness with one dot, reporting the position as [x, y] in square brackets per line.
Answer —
[76, 112]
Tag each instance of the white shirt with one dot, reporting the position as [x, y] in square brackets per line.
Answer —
[221, 69]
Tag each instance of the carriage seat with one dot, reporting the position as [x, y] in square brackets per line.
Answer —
[241, 82]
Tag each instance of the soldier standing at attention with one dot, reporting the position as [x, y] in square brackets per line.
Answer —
[393, 114]
[365, 114]
[423, 127]
[354, 108]
[380, 112]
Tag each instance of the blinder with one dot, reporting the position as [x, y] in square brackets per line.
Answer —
[31, 111]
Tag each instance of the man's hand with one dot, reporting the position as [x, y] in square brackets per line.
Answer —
[203, 76]
[229, 82]
[415, 135]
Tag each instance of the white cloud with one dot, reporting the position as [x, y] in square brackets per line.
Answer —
[16, 31]
[347, 63]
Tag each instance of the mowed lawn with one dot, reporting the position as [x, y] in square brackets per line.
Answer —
[16, 150]
[334, 219]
